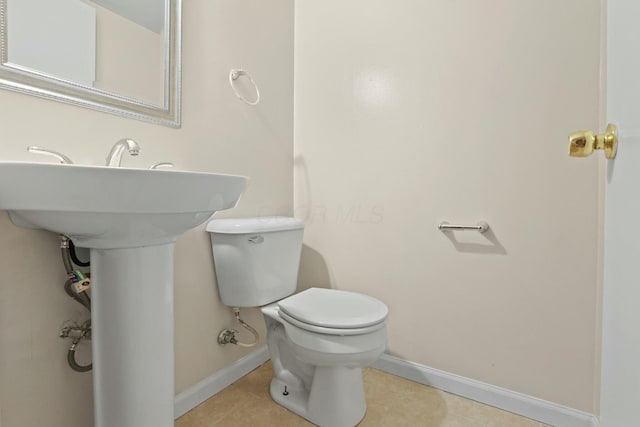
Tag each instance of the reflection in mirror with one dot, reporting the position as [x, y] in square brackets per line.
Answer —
[119, 56]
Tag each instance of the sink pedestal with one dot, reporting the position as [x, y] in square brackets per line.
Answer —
[132, 336]
[130, 219]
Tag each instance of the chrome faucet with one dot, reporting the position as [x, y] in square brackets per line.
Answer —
[115, 155]
[61, 157]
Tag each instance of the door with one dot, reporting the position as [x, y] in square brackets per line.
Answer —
[620, 390]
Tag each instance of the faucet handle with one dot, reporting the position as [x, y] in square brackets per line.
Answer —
[161, 165]
[61, 157]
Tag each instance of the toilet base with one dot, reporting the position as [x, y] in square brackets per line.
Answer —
[336, 397]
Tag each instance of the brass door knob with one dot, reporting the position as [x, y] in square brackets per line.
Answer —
[582, 143]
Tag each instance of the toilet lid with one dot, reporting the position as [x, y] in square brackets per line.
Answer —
[331, 308]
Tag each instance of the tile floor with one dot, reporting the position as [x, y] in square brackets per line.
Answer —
[391, 401]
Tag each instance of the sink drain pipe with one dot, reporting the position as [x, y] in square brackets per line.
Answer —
[228, 336]
[76, 287]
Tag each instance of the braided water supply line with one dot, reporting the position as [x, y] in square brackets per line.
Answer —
[77, 333]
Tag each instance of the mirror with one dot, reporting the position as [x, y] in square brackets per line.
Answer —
[117, 56]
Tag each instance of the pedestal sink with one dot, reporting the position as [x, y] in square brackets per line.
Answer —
[130, 219]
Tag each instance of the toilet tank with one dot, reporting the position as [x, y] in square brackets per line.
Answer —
[256, 259]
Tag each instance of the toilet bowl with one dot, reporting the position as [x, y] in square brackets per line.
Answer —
[318, 339]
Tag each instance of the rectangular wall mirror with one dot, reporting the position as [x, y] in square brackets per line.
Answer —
[117, 56]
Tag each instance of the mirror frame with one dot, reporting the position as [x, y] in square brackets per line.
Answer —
[29, 82]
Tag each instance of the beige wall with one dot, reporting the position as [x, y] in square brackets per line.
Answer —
[410, 113]
[219, 134]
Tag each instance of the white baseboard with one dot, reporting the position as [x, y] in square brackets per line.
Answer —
[507, 400]
[195, 395]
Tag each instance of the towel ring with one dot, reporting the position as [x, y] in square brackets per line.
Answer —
[234, 75]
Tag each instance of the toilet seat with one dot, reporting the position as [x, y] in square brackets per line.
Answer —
[333, 312]
[330, 331]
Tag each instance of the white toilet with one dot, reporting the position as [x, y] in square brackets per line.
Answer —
[318, 339]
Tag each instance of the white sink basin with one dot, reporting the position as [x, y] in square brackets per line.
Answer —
[130, 219]
[107, 207]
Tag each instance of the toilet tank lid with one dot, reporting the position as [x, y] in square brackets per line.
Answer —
[254, 225]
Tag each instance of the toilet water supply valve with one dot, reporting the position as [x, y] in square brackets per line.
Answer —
[228, 336]
[76, 286]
